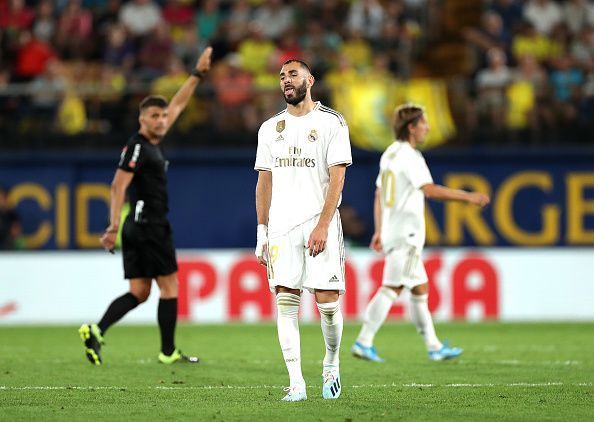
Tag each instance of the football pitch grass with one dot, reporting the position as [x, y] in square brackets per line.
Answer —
[512, 372]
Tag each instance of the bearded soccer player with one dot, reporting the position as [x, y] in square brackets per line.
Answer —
[402, 185]
[147, 244]
[302, 156]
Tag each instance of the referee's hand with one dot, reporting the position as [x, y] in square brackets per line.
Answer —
[108, 239]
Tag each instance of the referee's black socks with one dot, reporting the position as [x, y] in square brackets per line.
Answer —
[167, 317]
[118, 308]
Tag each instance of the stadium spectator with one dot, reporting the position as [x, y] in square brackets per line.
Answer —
[119, 50]
[44, 26]
[154, 54]
[274, 17]
[366, 17]
[491, 84]
[208, 20]
[255, 50]
[578, 15]
[234, 91]
[140, 17]
[237, 23]
[511, 13]
[179, 15]
[582, 49]
[32, 57]
[543, 14]
[74, 31]
[492, 34]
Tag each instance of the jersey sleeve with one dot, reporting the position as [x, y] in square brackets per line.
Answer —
[339, 146]
[263, 154]
[418, 172]
[131, 158]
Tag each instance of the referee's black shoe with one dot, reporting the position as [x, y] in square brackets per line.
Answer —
[177, 357]
[92, 339]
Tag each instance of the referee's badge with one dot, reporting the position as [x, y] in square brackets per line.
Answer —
[313, 136]
[280, 126]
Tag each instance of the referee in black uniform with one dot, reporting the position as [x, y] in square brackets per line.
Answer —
[147, 243]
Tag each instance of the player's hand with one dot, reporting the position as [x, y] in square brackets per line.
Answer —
[317, 240]
[376, 242]
[108, 239]
[203, 63]
[261, 251]
[479, 199]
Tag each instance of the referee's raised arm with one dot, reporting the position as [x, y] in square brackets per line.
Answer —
[182, 96]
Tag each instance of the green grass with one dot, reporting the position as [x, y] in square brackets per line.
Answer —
[510, 372]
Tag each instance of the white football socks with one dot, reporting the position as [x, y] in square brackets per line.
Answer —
[288, 334]
[419, 311]
[375, 314]
[332, 323]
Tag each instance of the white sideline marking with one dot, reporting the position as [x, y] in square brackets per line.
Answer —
[259, 387]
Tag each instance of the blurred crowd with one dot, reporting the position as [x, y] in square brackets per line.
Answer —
[79, 67]
[83, 64]
[534, 75]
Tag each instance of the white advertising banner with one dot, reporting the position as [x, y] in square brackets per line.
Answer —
[229, 285]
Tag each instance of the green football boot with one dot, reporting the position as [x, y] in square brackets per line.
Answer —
[93, 340]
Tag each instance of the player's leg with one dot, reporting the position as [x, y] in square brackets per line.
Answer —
[378, 308]
[287, 323]
[325, 276]
[423, 321]
[375, 314]
[167, 319]
[92, 334]
[285, 274]
[331, 321]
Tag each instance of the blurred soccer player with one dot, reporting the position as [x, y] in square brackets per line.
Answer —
[302, 156]
[402, 185]
[147, 243]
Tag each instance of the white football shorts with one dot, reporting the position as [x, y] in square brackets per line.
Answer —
[404, 267]
[290, 265]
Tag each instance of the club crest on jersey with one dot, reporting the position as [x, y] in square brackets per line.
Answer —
[313, 136]
[280, 126]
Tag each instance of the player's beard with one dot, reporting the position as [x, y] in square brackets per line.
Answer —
[300, 93]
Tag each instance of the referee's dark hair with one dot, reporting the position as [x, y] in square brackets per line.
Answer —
[153, 101]
[301, 63]
[405, 115]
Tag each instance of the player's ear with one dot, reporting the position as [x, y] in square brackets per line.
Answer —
[311, 80]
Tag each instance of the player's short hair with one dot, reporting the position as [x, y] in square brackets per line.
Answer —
[405, 115]
[153, 101]
[301, 63]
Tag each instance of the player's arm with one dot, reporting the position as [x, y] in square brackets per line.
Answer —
[443, 193]
[376, 240]
[120, 183]
[319, 235]
[182, 96]
[263, 200]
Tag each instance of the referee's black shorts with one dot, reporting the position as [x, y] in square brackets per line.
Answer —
[147, 249]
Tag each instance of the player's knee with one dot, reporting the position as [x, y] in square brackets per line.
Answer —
[329, 312]
[389, 292]
[141, 294]
[288, 305]
[424, 298]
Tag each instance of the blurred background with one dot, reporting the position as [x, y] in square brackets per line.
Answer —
[509, 91]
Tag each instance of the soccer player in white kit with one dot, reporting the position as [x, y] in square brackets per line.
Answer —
[402, 185]
[302, 156]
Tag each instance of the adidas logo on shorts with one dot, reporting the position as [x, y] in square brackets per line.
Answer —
[334, 279]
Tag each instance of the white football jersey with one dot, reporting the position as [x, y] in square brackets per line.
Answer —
[298, 151]
[403, 171]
